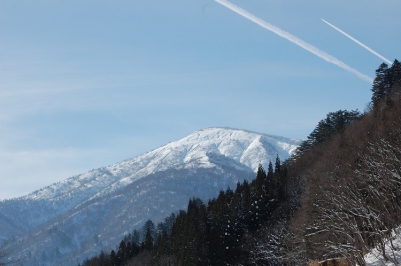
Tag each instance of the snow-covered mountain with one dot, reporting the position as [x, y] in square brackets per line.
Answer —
[76, 218]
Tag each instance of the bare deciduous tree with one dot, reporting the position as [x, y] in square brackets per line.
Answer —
[362, 211]
[279, 246]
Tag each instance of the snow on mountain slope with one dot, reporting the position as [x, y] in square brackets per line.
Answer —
[83, 214]
[246, 147]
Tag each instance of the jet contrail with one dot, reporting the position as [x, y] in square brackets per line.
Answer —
[358, 42]
[316, 51]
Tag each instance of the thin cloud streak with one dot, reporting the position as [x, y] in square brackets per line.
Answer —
[358, 42]
[314, 50]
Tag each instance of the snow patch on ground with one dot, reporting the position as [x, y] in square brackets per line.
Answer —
[393, 253]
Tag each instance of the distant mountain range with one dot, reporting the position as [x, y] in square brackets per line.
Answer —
[66, 222]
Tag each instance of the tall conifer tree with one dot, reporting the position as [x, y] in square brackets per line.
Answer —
[380, 84]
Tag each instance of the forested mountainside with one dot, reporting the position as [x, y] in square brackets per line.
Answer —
[337, 198]
[352, 199]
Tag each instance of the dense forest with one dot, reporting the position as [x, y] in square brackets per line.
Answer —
[335, 199]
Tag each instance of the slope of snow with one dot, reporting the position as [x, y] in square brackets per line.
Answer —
[246, 147]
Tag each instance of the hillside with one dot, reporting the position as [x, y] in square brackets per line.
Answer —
[70, 220]
[351, 201]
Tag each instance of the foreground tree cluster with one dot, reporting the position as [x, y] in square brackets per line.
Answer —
[215, 233]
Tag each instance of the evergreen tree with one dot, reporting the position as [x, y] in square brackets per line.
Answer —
[114, 261]
[260, 182]
[135, 237]
[148, 240]
[385, 81]
[396, 70]
[168, 223]
[282, 183]
[269, 180]
[162, 248]
[246, 204]
[380, 84]
[277, 165]
[133, 249]
[148, 226]
[177, 235]
[103, 259]
[237, 214]
[395, 75]
[128, 251]
[259, 198]
[221, 238]
[160, 228]
[122, 251]
[195, 233]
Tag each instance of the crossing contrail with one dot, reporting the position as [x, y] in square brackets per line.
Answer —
[358, 42]
[314, 50]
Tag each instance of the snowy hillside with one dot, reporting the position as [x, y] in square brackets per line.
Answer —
[76, 218]
[247, 148]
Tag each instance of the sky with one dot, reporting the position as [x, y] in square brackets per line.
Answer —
[85, 84]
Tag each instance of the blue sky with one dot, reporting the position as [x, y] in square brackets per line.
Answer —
[85, 84]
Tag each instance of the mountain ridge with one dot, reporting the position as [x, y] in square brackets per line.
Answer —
[290, 150]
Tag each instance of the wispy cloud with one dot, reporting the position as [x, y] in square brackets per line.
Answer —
[358, 42]
[314, 50]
